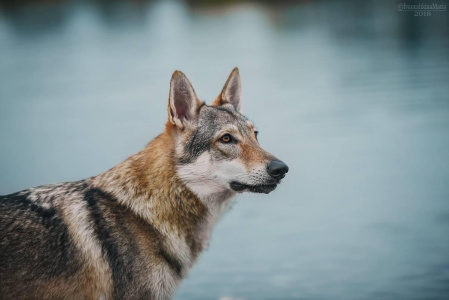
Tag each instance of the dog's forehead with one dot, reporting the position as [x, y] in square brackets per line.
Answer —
[219, 116]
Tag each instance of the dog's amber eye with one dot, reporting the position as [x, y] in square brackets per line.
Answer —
[226, 138]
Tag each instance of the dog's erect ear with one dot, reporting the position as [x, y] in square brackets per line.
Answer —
[182, 103]
[232, 91]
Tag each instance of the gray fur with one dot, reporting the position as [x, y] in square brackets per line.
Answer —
[210, 120]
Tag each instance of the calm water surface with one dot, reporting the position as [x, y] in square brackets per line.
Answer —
[353, 96]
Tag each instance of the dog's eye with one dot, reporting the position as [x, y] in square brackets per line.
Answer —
[226, 138]
[256, 133]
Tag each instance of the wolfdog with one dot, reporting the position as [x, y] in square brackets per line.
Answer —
[134, 231]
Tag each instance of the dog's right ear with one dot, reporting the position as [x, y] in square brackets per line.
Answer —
[232, 91]
[182, 103]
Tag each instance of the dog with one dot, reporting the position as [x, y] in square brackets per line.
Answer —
[134, 231]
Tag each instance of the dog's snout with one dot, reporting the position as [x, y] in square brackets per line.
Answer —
[277, 169]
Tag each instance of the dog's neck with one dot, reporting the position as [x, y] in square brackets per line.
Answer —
[148, 185]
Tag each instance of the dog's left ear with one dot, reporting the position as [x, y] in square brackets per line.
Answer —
[232, 91]
[182, 103]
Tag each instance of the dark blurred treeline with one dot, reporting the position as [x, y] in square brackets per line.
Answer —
[19, 3]
[346, 18]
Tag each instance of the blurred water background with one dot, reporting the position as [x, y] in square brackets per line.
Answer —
[352, 95]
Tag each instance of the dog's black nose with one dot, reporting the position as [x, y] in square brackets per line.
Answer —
[277, 169]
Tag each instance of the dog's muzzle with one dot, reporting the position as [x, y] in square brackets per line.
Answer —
[276, 169]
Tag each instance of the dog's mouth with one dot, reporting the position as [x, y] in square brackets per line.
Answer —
[263, 188]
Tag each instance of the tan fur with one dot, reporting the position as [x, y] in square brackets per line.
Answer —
[96, 280]
[147, 183]
[252, 154]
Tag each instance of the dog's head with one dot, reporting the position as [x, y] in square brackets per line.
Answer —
[216, 146]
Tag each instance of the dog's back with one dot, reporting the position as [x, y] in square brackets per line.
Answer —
[40, 255]
[75, 241]
[37, 253]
